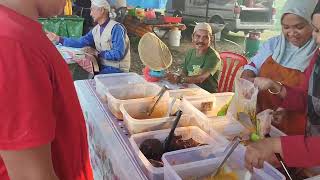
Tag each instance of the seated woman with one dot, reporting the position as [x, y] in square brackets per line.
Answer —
[298, 151]
[284, 59]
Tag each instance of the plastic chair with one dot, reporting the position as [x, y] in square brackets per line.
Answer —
[231, 63]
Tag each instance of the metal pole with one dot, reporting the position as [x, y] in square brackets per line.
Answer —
[207, 11]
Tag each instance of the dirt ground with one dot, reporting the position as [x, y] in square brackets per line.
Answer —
[178, 53]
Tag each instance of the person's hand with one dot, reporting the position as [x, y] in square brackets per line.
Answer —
[279, 115]
[264, 83]
[248, 75]
[173, 78]
[91, 51]
[261, 151]
[53, 37]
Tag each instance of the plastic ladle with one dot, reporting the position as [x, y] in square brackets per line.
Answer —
[168, 140]
[160, 94]
[229, 150]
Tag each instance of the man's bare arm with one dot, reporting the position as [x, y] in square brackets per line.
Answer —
[198, 78]
[29, 164]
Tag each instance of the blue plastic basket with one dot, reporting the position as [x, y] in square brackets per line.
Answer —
[156, 4]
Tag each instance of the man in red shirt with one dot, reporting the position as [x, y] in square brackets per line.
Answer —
[42, 131]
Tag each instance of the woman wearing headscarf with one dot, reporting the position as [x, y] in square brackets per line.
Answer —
[284, 59]
[298, 151]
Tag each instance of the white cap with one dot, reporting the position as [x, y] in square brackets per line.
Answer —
[101, 3]
[203, 26]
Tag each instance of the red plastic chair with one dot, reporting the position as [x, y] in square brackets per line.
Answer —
[231, 63]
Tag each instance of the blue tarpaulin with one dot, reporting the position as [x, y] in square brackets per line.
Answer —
[156, 4]
[117, 3]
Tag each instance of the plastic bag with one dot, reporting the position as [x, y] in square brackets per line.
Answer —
[264, 120]
[223, 111]
[244, 102]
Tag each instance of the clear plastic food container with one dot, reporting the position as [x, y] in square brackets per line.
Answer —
[129, 93]
[136, 120]
[206, 106]
[105, 81]
[231, 128]
[178, 93]
[209, 121]
[201, 162]
[186, 132]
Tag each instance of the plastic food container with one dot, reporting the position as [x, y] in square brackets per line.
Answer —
[186, 133]
[208, 121]
[136, 119]
[178, 93]
[202, 161]
[231, 128]
[105, 81]
[193, 106]
[139, 109]
[227, 128]
[129, 93]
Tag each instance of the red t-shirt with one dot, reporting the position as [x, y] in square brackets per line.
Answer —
[38, 102]
[300, 151]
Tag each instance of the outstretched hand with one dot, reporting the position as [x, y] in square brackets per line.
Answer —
[259, 152]
[264, 83]
[53, 37]
[172, 78]
[91, 51]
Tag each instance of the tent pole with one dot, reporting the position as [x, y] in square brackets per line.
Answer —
[207, 11]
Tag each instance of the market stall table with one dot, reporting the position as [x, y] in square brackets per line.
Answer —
[111, 154]
[82, 65]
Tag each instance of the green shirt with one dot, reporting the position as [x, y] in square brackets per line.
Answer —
[194, 65]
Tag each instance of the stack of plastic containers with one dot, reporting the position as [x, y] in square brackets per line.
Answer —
[199, 163]
[186, 132]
